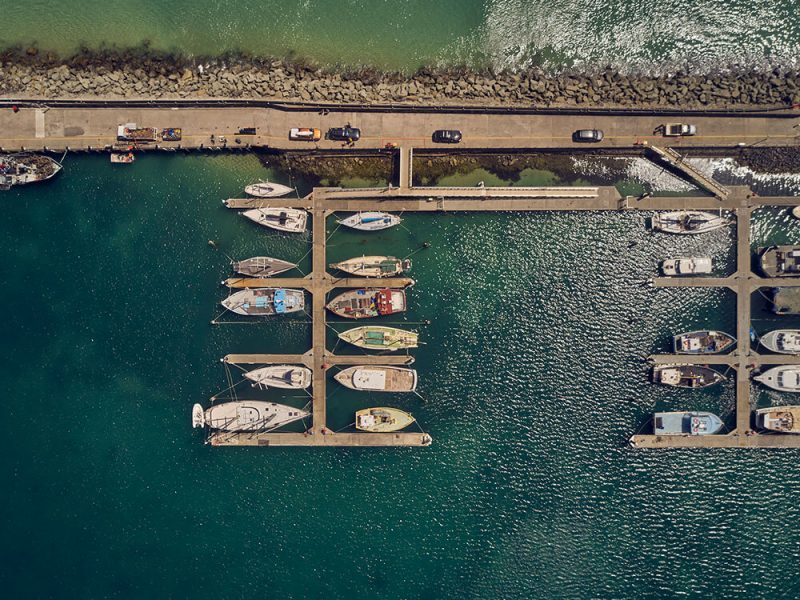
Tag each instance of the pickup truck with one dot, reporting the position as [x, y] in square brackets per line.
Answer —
[678, 129]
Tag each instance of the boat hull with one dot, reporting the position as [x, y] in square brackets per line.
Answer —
[781, 419]
[262, 266]
[267, 190]
[686, 423]
[371, 221]
[368, 303]
[380, 338]
[288, 377]
[382, 419]
[783, 378]
[686, 266]
[780, 261]
[373, 266]
[378, 378]
[782, 341]
[22, 169]
[265, 301]
[703, 342]
[686, 376]
[289, 220]
[688, 222]
[250, 415]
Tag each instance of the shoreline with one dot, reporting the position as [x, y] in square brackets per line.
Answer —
[430, 169]
[143, 73]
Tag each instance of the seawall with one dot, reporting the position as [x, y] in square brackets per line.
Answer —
[131, 74]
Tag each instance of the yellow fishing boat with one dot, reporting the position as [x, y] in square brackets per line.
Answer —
[382, 419]
[374, 337]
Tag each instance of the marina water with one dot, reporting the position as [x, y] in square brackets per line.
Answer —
[532, 378]
[532, 375]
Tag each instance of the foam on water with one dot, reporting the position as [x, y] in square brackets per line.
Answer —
[646, 35]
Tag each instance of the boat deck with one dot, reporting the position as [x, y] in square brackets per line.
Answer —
[375, 378]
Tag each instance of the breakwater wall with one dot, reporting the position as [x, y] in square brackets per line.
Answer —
[120, 74]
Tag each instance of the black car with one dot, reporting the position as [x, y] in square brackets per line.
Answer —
[587, 135]
[344, 134]
[446, 136]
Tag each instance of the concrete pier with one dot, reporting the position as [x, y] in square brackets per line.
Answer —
[323, 202]
[743, 359]
[38, 127]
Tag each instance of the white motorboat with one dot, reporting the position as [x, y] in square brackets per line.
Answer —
[688, 222]
[292, 220]
[687, 265]
[373, 378]
[267, 189]
[784, 378]
[782, 341]
[290, 377]
[246, 415]
[781, 419]
[371, 221]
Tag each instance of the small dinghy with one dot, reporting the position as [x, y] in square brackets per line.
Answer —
[784, 378]
[382, 419]
[782, 419]
[688, 222]
[373, 337]
[689, 265]
[292, 220]
[266, 189]
[378, 379]
[246, 415]
[265, 301]
[782, 341]
[122, 159]
[261, 266]
[686, 423]
[370, 221]
[288, 377]
[373, 266]
[365, 303]
[686, 376]
[702, 342]
[780, 261]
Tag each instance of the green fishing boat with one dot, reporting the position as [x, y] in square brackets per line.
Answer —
[374, 337]
[382, 419]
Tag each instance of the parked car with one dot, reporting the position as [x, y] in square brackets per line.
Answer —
[587, 135]
[677, 129]
[446, 136]
[304, 134]
[344, 134]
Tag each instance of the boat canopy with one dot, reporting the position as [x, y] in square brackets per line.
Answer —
[280, 301]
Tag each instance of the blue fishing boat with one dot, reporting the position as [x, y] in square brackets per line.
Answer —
[686, 423]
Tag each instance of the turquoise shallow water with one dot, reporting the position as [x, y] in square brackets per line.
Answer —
[404, 34]
[532, 378]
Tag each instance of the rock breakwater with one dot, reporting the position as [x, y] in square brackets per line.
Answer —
[28, 73]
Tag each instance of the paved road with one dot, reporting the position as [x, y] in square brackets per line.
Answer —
[57, 128]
